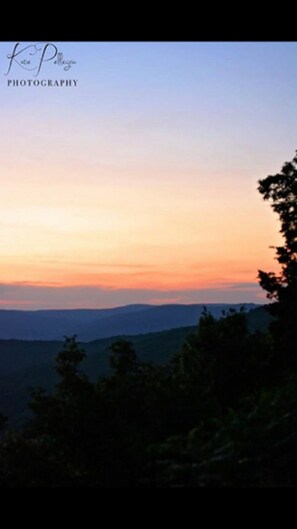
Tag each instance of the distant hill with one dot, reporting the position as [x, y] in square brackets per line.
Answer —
[30, 363]
[25, 364]
[54, 324]
[90, 324]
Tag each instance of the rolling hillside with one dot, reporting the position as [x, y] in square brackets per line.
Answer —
[30, 363]
[25, 364]
[101, 323]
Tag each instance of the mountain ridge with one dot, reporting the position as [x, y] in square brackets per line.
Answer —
[92, 324]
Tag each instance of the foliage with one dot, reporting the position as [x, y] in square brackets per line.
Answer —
[223, 360]
[100, 434]
[281, 190]
[255, 445]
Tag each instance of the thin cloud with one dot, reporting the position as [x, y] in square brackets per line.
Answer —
[35, 295]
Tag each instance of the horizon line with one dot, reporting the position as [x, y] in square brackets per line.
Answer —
[213, 303]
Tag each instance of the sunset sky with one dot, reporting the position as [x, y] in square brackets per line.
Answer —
[140, 184]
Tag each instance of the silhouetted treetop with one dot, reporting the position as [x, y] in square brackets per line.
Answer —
[281, 190]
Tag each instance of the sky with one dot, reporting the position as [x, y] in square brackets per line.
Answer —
[139, 185]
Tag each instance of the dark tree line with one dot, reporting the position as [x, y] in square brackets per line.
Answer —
[221, 413]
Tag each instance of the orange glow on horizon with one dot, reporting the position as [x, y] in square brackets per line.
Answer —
[177, 238]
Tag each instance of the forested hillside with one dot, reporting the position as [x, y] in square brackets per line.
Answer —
[220, 412]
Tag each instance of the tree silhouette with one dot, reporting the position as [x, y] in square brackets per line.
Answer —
[281, 190]
[123, 359]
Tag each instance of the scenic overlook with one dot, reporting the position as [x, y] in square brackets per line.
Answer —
[148, 264]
